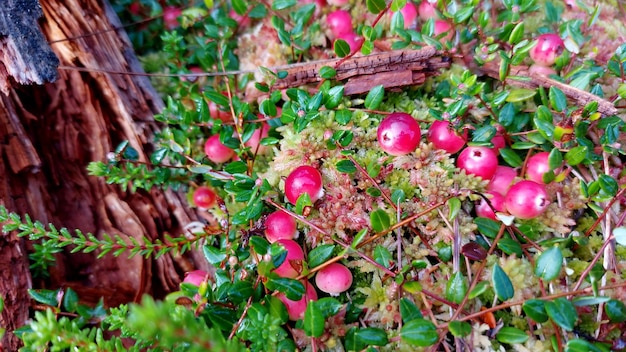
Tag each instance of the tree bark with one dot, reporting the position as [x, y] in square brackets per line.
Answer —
[48, 136]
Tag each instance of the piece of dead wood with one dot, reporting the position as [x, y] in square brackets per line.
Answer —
[25, 56]
[579, 96]
[392, 69]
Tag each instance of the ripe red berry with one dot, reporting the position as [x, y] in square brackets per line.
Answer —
[444, 27]
[549, 47]
[398, 134]
[255, 140]
[537, 166]
[484, 210]
[478, 161]
[292, 266]
[280, 225]
[195, 277]
[339, 22]
[526, 199]
[296, 309]
[498, 140]
[333, 279]
[204, 197]
[216, 151]
[170, 17]
[443, 136]
[304, 179]
[502, 179]
[427, 10]
[353, 40]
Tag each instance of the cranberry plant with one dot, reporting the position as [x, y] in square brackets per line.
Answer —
[481, 210]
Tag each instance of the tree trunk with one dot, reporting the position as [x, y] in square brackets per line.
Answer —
[49, 135]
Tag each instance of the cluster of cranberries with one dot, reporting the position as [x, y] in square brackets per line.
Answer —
[399, 134]
[549, 47]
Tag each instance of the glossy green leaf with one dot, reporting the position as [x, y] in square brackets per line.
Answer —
[558, 100]
[375, 6]
[358, 238]
[346, 166]
[581, 301]
[341, 48]
[320, 254]
[576, 155]
[293, 289]
[283, 4]
[536, 310]
[335, 95]
[459, 328]
[479, 289]
[47, 297]
[419, 332]
[374, 97]
[510, 246]
[327, 72]
[313, 320]
[615, 310]
[70, 300]
[555, 159]
[511, 157]
[511, 335]
[580, 345]
[487, 227]
[359, 338]
[562, 312]
[520, 94]
[549, 263]
[455, 206]
[304, 200]
[408, 310]
[382, 256]
[456, 288]
[259, 244]
[502, 284]
[380, 220]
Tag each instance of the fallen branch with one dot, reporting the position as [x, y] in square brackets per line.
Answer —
[581, 97]
[392, 69]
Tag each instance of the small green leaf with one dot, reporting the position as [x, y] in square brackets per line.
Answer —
[343, 116]
[70, 300]
[313, 320]
[456, 288]
[576, 155]
[375, 6]
[511, 335]
[327, 72]
[479, 289]
[520, 94]
[555, 159]
[293, 289]
[562, 312]
[382, 256]
[303, 201]
[358, 238]
[283, 4]
[608, 184]
[213, 255]
[397, 196]
[341, 48]
[502, 284]
[459, 328]
[408, 310]
[582, 301]
[320, 254]
[346, 166]
[455, 206]
[580, 345]
[615, 310]
[374, 97]
[329, 306]
[517, 33]
[419, 332]
[536, 310]
[359, 338]
[558, 100]
[549, 264]
[380, 220]
[259, 244]
[335, 94]
[47, 297]
[487, 227]
[510, 246]
[511, 157]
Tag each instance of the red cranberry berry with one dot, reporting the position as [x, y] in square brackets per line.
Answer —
[427, 10]
[398, 134]
[478, 161]
[502, 179]
[216, 151]
[444, 27]
[549, 47]
[170, 17]
[485, 211]
[334, 279]
[204, 197]
[296, 309]
[443, 136]
[292, 266]
[280, 225]
[526, 199]
[537, 166]
[339, 22]
[304, 179]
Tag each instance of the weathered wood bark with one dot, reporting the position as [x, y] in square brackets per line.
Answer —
[48, 136]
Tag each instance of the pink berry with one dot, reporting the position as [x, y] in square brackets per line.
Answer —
[353, 40]
[216, 113]
[204, 197]
[537, 166]
[170, 17]
[339, 22]
[443, 136]
[498, 140]
[338, 3]
[280, 225]
[292, 266]
[216, 151]
[255, 140]
[304, 179]
[444, 27]
[427, 10]
[549, 47]
[398, 134]
[478, 161]
[484, 210]
[501, 180]
[526, 199]
[333, 279]
[242, 21]
[195, 277]
[135, 8]
[296, 309]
